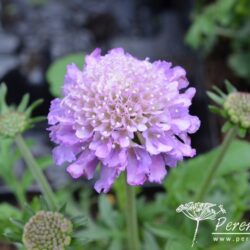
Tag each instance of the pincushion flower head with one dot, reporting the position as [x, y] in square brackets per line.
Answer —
[126, 114]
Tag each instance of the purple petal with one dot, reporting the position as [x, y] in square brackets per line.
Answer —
[138, 166]
[107, 178]
[157, 169]
[63, 154]
[84, 165]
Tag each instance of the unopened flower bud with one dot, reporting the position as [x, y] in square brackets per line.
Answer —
[237, 106]
[12, 123]
[47, 230]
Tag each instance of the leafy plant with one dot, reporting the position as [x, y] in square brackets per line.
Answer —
[17, 184]
[224, 19]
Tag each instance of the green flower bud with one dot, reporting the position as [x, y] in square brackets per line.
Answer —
[15, 120]
[12, 123]
[47, 231]
[237, 105]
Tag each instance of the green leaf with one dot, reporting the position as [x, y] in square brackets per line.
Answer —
[3, 93]
[44, 204]
[236, 159]
[34, 105]
[240, 63]
[168, 233]
[16, 222]
[79, 221]
[97, 233]
[117, 245]
[150, 241]
[177, 244]
[217, 110]
[8, 211]
[215, 98]
[106, 212]
[230, 87]
[242, 132]
[219, 92]
[24, 103]
[56, 72]
[44, 162]
[243, 246]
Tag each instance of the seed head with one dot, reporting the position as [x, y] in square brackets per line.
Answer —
[47, 230]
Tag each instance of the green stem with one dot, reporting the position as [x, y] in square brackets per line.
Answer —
[215, 164]
[132, 223]
[36, 172]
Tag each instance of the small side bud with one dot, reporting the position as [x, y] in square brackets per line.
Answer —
[47, 230]
[237, 105]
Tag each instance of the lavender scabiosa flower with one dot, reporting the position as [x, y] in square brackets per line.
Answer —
[127, 114]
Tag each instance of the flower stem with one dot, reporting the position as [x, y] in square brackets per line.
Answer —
[215, 164]
[36, 172]
[132, 223]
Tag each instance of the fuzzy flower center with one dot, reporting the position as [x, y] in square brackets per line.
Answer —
[47, 230]
[126, 96]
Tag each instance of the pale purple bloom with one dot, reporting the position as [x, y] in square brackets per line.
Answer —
[127, 114]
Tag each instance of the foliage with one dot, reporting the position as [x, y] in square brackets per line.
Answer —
[57, 70]
[224, 19]
[103, 224]
[17, 184]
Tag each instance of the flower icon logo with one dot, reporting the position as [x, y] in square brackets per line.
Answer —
[199, 211]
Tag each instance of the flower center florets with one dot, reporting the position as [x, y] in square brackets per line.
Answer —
[47, 230]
